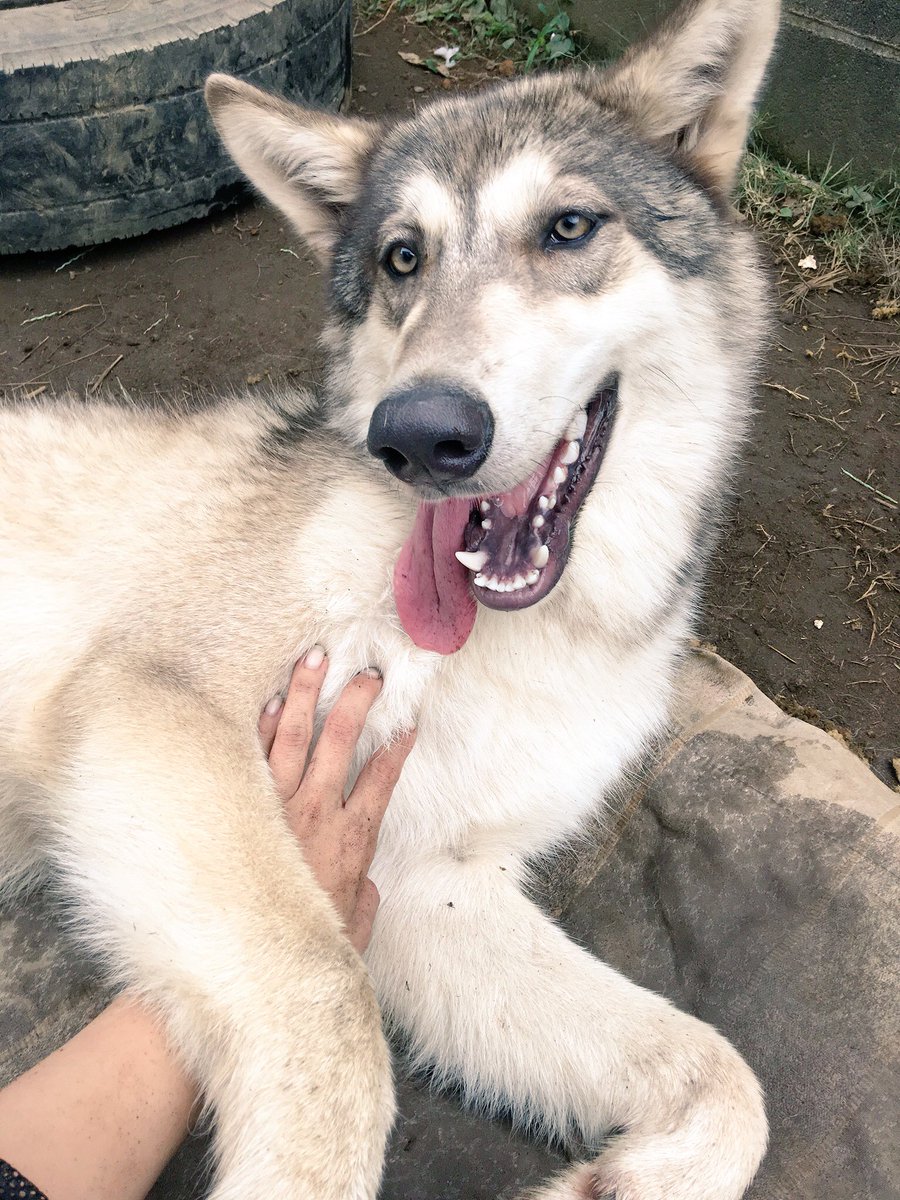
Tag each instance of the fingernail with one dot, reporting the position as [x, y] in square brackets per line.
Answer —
[274, 706]
[314, 659]
[372, 673]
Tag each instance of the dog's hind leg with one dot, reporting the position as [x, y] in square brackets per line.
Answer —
[189, 884]
[497, 999]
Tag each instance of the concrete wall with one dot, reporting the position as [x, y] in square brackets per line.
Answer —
[834, 87]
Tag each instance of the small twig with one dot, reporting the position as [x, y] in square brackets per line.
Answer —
[779, 387]
[286, 250]
[384, 17]
[28, 353]
[783, 655]
[856, 479]
[36, 392]
[79, 307]
[769, 538]
[42, 317]
[95, 384]
[69, 261]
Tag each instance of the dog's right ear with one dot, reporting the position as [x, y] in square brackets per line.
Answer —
[306, 161]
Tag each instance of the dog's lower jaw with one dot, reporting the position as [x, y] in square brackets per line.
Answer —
[518, 544]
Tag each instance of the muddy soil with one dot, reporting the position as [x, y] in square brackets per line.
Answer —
[802, 593]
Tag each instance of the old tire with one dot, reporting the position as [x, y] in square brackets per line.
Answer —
[103, 131]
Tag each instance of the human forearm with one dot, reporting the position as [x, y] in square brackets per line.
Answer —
[100, 1117]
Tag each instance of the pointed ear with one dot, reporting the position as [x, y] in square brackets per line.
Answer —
[691, 86]
[308, 162]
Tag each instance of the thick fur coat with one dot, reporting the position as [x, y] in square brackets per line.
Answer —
[160, 572]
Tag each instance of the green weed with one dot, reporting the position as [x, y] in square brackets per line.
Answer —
[494, 29]
[857, 226]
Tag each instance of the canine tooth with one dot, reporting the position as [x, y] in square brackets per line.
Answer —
[571, 453]
[539, 556]
[538, 522]
[532, 577]
[487, 523]
[473, 559]
[485, 506]
[560, 475]
[576, 429]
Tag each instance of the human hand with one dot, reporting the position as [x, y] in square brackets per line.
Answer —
[337, 837]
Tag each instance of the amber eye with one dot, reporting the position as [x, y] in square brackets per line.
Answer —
[401, 258]
[571, 227]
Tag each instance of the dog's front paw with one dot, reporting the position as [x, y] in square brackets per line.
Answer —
[704, 1140]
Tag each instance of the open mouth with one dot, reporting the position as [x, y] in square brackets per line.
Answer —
[517, 543]
[508, 550]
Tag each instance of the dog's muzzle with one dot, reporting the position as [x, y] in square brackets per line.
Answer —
[433, 432]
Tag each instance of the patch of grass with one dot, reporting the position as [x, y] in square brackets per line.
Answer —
[852, 230]
[494, 29]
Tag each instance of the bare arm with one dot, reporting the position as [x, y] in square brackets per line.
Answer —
[102, 1115]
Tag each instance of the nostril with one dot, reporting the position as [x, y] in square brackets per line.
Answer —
[451, 450]
[393, 459]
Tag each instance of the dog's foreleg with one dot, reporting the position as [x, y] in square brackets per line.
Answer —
[189, 884]
[494, 995]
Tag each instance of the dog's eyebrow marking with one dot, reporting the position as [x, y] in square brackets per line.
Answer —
[510, 198]
[431, 205]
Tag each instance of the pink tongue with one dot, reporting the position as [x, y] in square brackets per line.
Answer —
[431, 587]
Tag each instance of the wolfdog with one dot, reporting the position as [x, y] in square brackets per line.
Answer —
[544, 323]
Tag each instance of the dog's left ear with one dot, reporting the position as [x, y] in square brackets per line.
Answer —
[308, 162]
[692, 84]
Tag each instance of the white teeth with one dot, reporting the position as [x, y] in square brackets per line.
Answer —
[551, 499]
[572, 451]
[493, 584]
[576, 429]
[539, 556]
[543, 504]
[474, 560]
[560, 475]
[485, 506]
[487, 523]
[538, 522]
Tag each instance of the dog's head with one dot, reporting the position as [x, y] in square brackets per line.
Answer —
[526, 282]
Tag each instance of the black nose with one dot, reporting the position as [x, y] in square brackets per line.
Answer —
[433, 432]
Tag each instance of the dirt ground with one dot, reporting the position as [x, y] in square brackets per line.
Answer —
[803, 592]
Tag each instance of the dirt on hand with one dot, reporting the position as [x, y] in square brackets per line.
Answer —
[803, 592]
